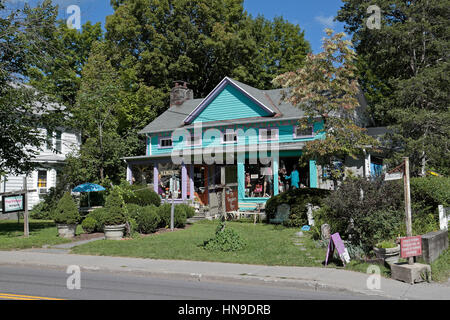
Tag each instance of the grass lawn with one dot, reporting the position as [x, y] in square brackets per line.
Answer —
[266, 245]
[41, 232]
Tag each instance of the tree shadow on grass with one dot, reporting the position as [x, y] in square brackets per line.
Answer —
[14, 228]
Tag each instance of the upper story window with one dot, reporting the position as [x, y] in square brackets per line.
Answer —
[165, 143]
[307, 132]
[54, 141]
[268, 134]
[195, 140]
[230, 136]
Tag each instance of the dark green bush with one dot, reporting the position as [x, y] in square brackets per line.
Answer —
[99, 216]
[365, 211]
[133, 210]
[179, 216]
[147, 219]
[115, 209]
[142, 195]
[44, 209]
[225, 239]
[41, 212]
[89, 225]
[298, 200]
[66, 212]
[190, 212]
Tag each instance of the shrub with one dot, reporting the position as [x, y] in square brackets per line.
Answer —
[298, 200]
[133, 210]
[365, 211]
[190, 212]
[225, 239]
[89, 225]
[179, 216]
[99, 216]
[66, 212]
[140, 194]
[41, 211]
[147, 219]
[115, 209]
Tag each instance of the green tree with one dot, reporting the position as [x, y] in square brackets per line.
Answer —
[60, 76]
[405, 75]
[326, 89]
[23, 42]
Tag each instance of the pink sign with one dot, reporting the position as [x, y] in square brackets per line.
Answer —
[411, 247]
[336, 242]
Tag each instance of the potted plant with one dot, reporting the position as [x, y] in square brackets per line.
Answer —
[389, 251]
[66, 216]
[115, 216]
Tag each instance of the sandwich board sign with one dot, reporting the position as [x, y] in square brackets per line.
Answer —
[13, 203]
[336, 242]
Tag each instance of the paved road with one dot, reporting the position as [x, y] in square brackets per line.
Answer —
[31, 283]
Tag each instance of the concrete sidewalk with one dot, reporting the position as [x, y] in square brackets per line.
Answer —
[301, 277]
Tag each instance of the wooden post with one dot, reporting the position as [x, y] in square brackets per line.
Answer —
[222, 182]
[172, 209]
[408, 203]
[25, 205]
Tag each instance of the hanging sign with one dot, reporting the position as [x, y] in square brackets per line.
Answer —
[393, 176]
[13, 203]
[336, 242]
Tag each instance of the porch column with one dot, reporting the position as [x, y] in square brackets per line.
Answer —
[191, 181]
[129, 173]
[155, 177]
[312, 174]
[183, 181]
[275, 175]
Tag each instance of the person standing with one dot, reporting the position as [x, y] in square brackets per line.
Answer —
[294, 177]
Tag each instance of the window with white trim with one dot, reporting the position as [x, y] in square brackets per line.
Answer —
[268, 134]
[304, 132]
[165, 143]
[229, 136]
[194, 140]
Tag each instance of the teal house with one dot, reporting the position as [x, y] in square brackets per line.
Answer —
[238, 139]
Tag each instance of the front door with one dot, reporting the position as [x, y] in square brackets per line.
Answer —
[201, 184]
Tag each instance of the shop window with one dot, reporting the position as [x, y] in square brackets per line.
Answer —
[142, 174]
[285, 169]
[169, 181]
[258, 181]
[58, 142]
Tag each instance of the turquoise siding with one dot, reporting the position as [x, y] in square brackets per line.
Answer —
[213, 137]
[230, 104]
[313, 174]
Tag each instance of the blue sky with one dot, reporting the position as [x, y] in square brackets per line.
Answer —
[313, 16]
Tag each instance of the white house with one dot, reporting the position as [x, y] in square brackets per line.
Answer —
[49, 160]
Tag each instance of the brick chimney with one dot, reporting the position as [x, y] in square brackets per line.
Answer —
[180, 93]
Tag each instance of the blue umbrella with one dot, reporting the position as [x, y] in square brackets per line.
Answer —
[88, 187]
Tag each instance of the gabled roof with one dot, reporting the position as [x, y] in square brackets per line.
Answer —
[252, 93]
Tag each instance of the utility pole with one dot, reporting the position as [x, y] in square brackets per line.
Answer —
[407, 203]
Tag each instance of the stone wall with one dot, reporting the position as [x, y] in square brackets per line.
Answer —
[433, 244]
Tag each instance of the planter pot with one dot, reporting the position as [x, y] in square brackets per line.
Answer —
[66, 230]
[390, 255]
[114, 232]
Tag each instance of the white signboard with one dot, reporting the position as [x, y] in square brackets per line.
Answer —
[393, 176]
[13, 203]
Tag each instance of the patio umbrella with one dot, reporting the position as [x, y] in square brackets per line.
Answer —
[88, 187]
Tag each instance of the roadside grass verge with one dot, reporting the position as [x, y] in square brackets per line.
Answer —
[265, 245]
[42, 232]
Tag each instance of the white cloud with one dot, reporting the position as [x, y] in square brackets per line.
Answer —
[326, 21]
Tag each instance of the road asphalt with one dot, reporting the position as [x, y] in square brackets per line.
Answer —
[304, 278]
